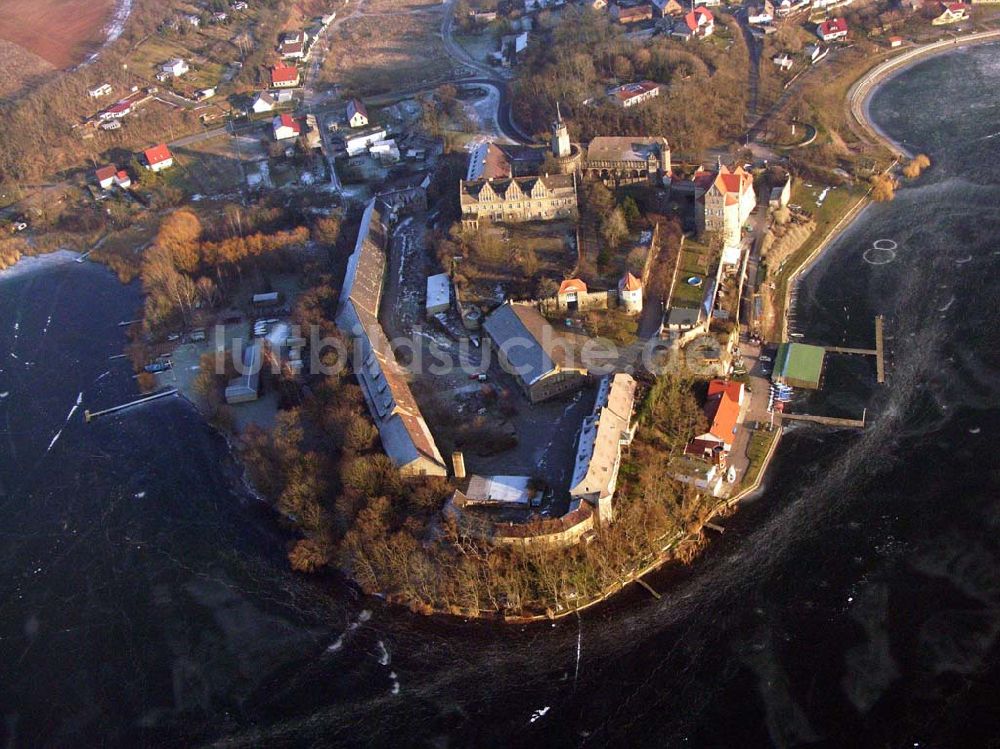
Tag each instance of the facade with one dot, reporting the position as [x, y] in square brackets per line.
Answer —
[725, 205]
[122, 179]
[527, 348]
[630, 293]
[624, 160]
[284, 76]
[284, 127]
[357, 113]
[158, 158]
[518, 199]
[599, 448]
[405, 436]
[570, 291]
[632, 94]
[832, 30]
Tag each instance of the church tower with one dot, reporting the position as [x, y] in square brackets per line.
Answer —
[560, 137]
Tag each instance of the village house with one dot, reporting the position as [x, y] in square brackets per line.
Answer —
[240, 5]
[697, 24]
[518, 199]
[284, 127]
[98, 91]
[951, 13]
[724, 201]
[539, 358]
[895, 41]
[158, 158]
[722, 408]
[667, 9]
[599, 448]
[117, 111]
[284, 76]
[831, 30]
[620, 160]
[175, 68]
[106, 176]
[783, 61]
[632, 14]
[262, 102]
[631, 94]
[815, 52]
[404, 433]
[122, 179]
[357, 113]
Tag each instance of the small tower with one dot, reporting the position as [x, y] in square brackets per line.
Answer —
[560, 137]
[630, 293]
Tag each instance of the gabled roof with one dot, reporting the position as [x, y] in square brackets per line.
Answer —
[286, 120]
[106, 172]
[630, 283]
[356, 106]
[284, 74]
[837, 25]
[624, 148]
[723, 411]
[698, 17]
[515, 187]
[527, 340]
[157, 154]
[632, 90]
[572, 285]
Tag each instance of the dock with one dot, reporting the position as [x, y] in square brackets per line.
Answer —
[829, 421]
[878, 352]
[648, 587]
[90, 415]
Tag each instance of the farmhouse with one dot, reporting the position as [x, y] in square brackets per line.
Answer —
[951, 13]
[626, 160]
[117, 111]
[284, 76]
[284, 127]
[405, 436]
[357, 114]
[518, 199]
[158, 158]
[631, 94]
[832, 30]
[528, 348]
[599, 448]
[724, 206]
[106, 176]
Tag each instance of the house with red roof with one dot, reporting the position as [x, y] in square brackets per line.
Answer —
[832, 29]
[122, 179]
[285, 126]
[630, 293]
[158, 158]
[724, 201]
[951, 13]
[723, 406]
[697, 24]
[570, 290]
[631, 94]
[284, 76]
[106, 176]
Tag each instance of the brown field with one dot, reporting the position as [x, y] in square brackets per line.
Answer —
[62, 32]
[389, 47]
[19, 67]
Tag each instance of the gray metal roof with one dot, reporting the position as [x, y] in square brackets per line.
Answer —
[518, 331]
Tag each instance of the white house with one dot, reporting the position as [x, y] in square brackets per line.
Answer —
[385, 151]
[106, 176]
[358, 143]
[158, 158]
[783, 61]
[832, 30]
[699, 23]
[103, 90]
[176, 67]
[285, 127]
[630, 293]
[262, 102]
[631, 94]
[357, 114]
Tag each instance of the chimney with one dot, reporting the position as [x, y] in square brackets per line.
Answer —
[458, 464]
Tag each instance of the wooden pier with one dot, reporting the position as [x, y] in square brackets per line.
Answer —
[89, 415]
[829, 421]
[878, 352]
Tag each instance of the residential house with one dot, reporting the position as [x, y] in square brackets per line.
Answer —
[158, 158]
[386, 151]
[98, 91]
[404, 433]
[357, 113]
[722, 407]
[539, 359]
[284, 76]
[630, 14]
[895, 41]
[783, 61]
[219, 16]
[631, 94]
[697, 24]
[122, 179]
[761, 14]
[284, 127]
[832, 29]
[667, 8]
[518, 199]
[724, 201]
[357, 143]
[292, 50]
[262, 102]
[106, 176]
[175, 68]
[240, 5]
[512, 45]
[192, 20]
[951, 13]
[599, 447]
[117, 111]
[815, 52]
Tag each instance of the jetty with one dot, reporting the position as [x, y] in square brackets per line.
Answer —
[90, 415]
[830, 421]
[878, 352]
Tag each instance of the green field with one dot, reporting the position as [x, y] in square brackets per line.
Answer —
[695, 259]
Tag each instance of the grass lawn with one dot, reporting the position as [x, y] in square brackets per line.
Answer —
[760, 443]
[695, 260]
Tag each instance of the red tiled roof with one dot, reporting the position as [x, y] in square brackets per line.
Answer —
[284, 74]
[122, 176]
[121, 106]
[105, 172]
[286, 120]
[631, 90]
[631, 283]
[722, 411]
[733, 388]
[157, 154]
[833, 26]
[571, 285]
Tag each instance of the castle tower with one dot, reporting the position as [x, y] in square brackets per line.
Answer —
[560, 137]
[630, 293]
